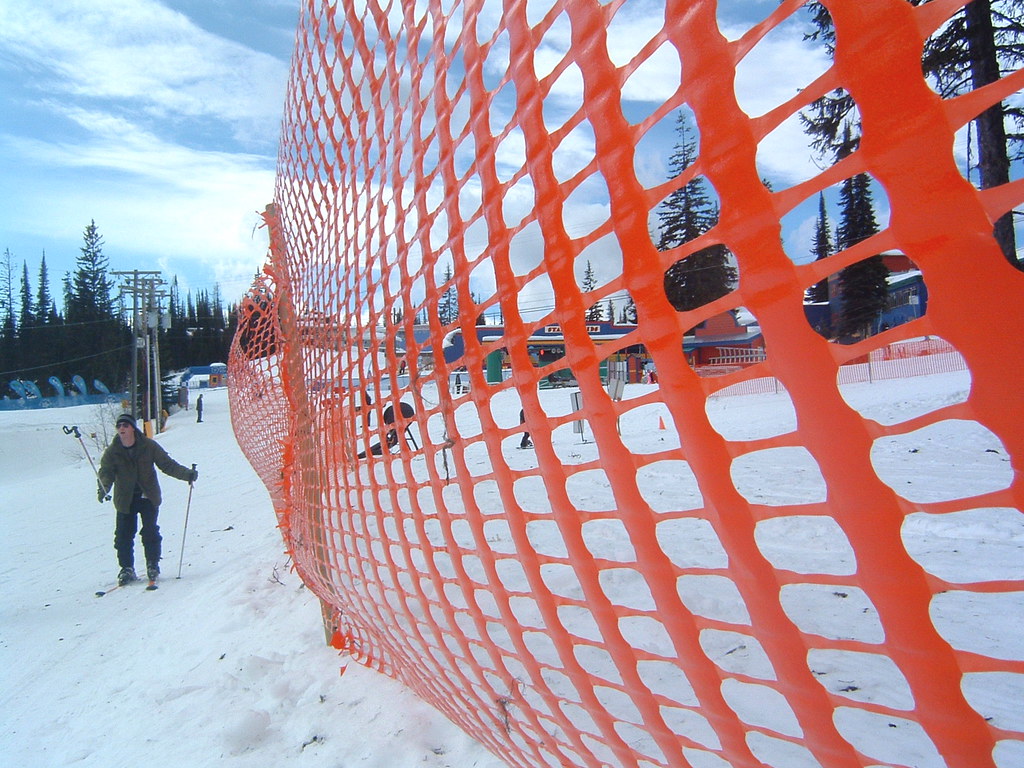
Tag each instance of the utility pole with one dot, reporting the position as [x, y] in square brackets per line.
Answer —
[145, 289]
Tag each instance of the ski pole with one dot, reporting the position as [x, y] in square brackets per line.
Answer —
[73, 430]
[188, 506]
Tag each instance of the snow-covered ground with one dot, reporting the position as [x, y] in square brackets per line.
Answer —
[229, 662]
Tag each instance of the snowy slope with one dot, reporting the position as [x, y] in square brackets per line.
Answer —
[229, 662]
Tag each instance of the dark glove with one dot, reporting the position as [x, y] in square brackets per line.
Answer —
[194, 476]
[101, 495]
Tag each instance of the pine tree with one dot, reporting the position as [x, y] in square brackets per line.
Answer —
[688, 213]
[481, 319]
[448, 304]
[27, 326]
[102, 337]
[8, 325]
[863, 285]
[978, 45]
[90, 287]
[217, 309]
[628, 316]
[45, 310]
[821, 248]
[232, 329]
[67, 289]
[594, 312]
[7, 284]
[48, 336]
[27, 318]
[173, 340]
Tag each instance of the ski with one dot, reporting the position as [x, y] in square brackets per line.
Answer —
[114, 588]
[150, 587]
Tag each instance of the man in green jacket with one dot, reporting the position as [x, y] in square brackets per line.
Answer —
[129, 464]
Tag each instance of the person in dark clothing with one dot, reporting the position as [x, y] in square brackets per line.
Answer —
[129, 466]
[199, 409]
[526, 442]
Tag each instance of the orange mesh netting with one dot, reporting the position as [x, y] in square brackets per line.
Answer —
[606, 599]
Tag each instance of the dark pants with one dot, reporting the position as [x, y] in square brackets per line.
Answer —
[128, 525]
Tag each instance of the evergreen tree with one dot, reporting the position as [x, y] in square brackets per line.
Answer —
[481, 319]
[67, 289]
[8, 324]
[172, 338]
[448, 304]
[628, 316]
[594, 312]
[46, 310]
[218, 320]
[688, 213]
[90, 287]
[980, 44]
[47, 338]
[821, 248]
[102, 339]
[7, 284]
[28, 308]
[26, 335]
[863, 285]
[232, 329]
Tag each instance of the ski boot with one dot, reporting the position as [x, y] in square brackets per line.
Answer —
[126, 576]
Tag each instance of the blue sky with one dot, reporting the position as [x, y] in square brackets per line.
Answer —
[158, 120]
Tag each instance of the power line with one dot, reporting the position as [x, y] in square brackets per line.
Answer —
[66, 362]
[60, 325]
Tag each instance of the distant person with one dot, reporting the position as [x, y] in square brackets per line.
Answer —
[526, 442]
[199, 409]
[650, 373]
[129, 466]
[183, 397]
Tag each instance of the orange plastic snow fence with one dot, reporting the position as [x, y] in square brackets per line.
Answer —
[619, 595]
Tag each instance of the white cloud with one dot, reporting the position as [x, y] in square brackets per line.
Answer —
[778, 67]
[183, 207]
[142, 54]
[162, 132]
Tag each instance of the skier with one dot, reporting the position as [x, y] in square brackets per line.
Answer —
[526, 442]
[199, 409]
[129, 465]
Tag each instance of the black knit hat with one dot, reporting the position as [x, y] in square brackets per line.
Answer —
[125, 418]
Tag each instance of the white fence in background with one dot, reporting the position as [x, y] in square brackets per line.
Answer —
[902, 360]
